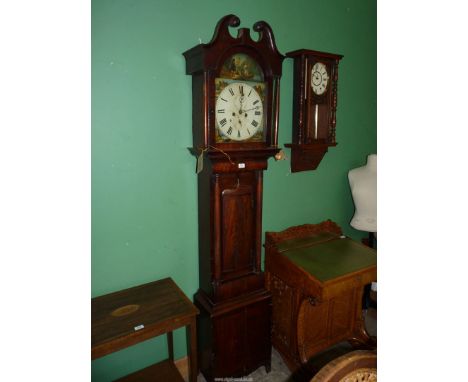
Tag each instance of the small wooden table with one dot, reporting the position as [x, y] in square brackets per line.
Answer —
[133, 315]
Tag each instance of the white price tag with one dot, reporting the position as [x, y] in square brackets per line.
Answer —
[139, 327]
[241, 165]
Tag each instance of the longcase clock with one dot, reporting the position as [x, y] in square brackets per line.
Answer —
[315, 97]
[235, 90]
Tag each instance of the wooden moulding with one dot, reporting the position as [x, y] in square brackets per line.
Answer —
[307, 156]
[300, 231]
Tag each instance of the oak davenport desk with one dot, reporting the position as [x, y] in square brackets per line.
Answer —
[316, 277]
[133, 315]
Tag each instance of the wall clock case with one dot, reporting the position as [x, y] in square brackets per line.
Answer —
[235, 90]
[314, 107]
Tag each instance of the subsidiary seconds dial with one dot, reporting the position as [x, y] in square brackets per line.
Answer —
[239, 111]
[319, 78]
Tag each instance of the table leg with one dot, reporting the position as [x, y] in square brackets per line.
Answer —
[192, 345]
[170, 346]
[360, 337]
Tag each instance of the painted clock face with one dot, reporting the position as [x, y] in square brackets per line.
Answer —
[239, 111]
[319, 78]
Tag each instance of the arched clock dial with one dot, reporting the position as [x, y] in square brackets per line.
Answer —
[239, 111]
[319, 78]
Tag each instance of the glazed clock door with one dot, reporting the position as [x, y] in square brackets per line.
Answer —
[241, 94]
[239, 112]
[319, 78]
[318, 111]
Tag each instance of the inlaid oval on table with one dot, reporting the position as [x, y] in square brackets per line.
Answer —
[125, 310]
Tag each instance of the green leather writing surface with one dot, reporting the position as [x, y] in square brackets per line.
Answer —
[332, 258]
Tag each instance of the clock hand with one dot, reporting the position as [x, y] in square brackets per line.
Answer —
[241, 100]
[253, 108]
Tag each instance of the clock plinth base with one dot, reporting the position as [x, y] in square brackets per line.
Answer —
[234, 335]
[306, 157]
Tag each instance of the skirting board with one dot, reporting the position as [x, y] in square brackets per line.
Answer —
[182, 366]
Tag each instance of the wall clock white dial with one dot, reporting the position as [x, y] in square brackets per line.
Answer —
[239, 111]
[319, 78]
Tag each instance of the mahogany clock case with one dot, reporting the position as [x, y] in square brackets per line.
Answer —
[234, 322]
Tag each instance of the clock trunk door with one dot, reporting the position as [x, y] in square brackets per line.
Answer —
[237, 225]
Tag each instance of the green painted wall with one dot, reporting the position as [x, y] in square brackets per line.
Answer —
[144, 195]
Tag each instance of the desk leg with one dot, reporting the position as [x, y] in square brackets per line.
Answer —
[170, 346]
[192, 344]
[360, 336]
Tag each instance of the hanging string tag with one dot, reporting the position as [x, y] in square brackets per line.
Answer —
[224, 153]
[200, 158]
[200, 162]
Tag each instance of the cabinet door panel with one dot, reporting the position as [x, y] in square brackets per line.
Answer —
[282, 296]
[238, 224]
[342, 308]
[312, 328]
[237, 221]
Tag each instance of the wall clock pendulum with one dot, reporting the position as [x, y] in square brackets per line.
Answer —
[235, 90]
[314, 107]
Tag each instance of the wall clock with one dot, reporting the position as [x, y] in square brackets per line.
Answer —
[314, 107]
[235, 92]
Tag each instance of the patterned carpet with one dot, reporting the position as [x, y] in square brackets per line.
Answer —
[280, 372]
